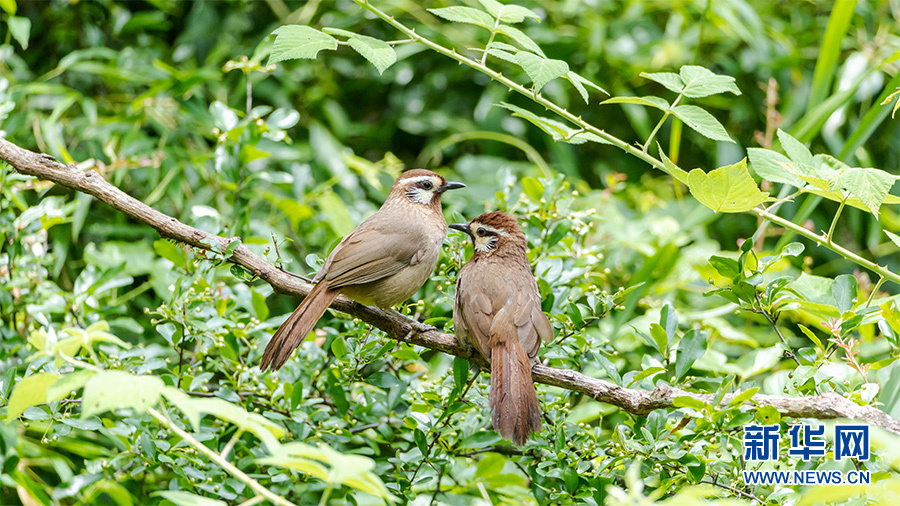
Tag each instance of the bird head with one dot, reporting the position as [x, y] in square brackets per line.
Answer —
[493, 232]
[420, 186]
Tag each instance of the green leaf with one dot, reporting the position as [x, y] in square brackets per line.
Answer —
[728, 189]
[258, 301]
[294, 41]
[743, 397]
[378, 52]
[691, 347]
[660, 339]
[533, 188]
[30, 391]
[67, 384]
[541, 70]
[559, 131]
[772, 166]
[491, 465]
[727, 267]
[838, 23]
[893, 237]
[20, 29]
[795, 149]
[519, 37]
[686, 401]
[672, 169]
[460, 373]
[508, 13]
[468, 15]
[649, 101]
[702, 122]
[181, 498]
[503, 55]
[844, 290]
[579, 83]
[870, 186]
[670, 80]
[8, 6]
[700, 82]
[111, 390]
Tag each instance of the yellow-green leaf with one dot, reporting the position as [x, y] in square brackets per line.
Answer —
[728, 189]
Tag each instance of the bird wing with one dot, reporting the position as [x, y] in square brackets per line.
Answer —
[472, 312]
[531, 322]
[369, 254]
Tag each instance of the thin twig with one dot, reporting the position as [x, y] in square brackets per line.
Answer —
[221, 462]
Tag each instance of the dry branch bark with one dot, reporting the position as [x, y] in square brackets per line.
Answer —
[639, 402]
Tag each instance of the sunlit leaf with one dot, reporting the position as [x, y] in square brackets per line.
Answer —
[728, 189]
[294, 41]
[468, 15]
[702, 122]
[541, 70]
[700, 82]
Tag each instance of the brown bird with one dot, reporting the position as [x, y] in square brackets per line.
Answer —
[385, 260]
[498, 311]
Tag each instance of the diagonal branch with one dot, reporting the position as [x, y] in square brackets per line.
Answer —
[639, 402]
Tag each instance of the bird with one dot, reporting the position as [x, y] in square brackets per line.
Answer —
[382, 262]
[497, 310]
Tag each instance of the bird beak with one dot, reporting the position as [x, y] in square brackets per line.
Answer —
[450, 185]
[462, 227]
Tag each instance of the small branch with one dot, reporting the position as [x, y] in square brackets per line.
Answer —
[223, 463]
[822, 241]
[639, 402]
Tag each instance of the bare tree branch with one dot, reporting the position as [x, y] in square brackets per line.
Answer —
[640, 402]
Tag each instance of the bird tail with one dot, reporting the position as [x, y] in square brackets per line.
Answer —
[295, 329]
[516, 412]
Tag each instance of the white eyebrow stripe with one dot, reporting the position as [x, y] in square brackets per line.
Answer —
[418, 179]
[491, 229]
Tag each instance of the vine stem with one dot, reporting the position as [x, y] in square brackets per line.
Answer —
[628, 148]
[514, 86]
[218, 459]
[823, 241]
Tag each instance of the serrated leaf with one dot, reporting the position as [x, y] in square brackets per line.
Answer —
[795, 149]
[870, 186]
[378, 52]
[670, 80]
[579, 83]
[554, 128]
[468, 15]
[541, 70]
[702, 122]
[295, 41]
[649, 101]
[503, 55]
[701, 82]
[519, 37]
[508, 13]
[728, 189]
[111, 390]
[772, 166]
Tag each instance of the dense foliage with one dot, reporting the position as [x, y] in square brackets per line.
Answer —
[128, 360]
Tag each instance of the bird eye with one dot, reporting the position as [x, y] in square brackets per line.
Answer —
[482, 232]
[427, 185]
